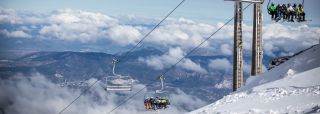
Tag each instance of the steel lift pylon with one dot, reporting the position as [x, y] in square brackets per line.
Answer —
[238, 45]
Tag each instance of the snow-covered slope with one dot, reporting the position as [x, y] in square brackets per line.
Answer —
[292, 87]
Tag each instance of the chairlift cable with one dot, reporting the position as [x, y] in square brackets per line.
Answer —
[163, 74]
[127, 53]
[268, 5]
[78, 96]
[145, 36]
[121, 58]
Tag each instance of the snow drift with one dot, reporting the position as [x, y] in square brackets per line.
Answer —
[291, 87]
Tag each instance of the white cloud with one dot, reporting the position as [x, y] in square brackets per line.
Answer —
[181, 32]
[124, 35]
[268, 48]
[226, 49]
[66, 16]
[288, 38]
[9, 16]
[71, 32]
[69, 16]
[180, 99]
[220, 64]
[78, 25]
[37, 95]
[15, 34]
[173, 56]
[246, 67]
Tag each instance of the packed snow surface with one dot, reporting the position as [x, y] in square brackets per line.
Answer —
[291, 87]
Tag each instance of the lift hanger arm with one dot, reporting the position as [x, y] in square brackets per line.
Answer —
[114, 62]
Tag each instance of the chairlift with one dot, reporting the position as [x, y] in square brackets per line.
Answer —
[247, 1]
[118, 82]
[294, 16]
[160, 94]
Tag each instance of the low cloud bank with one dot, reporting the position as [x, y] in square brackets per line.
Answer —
[173, 56]
[38, 95]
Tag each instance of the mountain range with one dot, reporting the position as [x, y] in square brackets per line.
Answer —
[79, 66]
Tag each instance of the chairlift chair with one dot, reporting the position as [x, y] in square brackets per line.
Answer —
[279, 18]
[153, 94]
[118, 82]
[248, 1]
[161, 93]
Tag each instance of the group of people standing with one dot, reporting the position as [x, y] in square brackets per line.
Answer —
[287, 12]
[156, 103]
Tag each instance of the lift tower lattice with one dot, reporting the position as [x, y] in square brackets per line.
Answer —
[237, 48]
[256, 65]
[238, 45]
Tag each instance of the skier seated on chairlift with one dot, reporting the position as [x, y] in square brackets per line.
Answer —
[283, 11]
[278, 13]
[156, 103]
[301, 14]
[162, 103]
[295, 11]
[287, 12]
[147, 103]
[290, 13]
[272, 11]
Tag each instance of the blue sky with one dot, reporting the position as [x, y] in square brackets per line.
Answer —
[209, 11]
